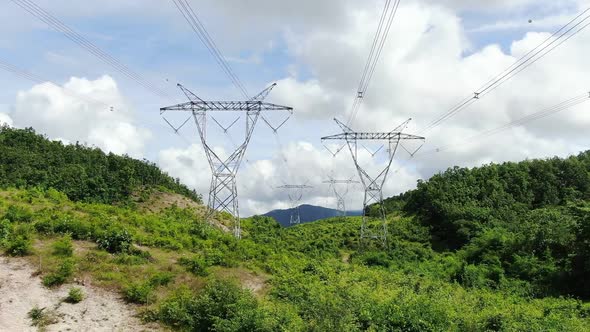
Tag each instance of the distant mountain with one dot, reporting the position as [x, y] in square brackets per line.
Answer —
[308, 213]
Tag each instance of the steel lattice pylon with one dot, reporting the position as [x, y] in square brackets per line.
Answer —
[373, 185]
[295, 194]
[223, 193]
[340, 195]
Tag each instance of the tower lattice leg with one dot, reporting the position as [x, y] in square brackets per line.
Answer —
[223, 196]
[370, 231]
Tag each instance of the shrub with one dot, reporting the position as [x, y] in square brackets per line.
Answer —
[75, 295]
[64, 271]
[35, 314]
[221, 306]
[141, 293]
[196, 265]
[18, 214]
[376, 259]
[80, 230]
[5, 229]
[115, 240]
[64, 247]
[19, 245]
[55, 196]
[214, 256]
[161, 279]
[41, 318]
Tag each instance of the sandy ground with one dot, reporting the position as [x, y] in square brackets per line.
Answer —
[20, 291]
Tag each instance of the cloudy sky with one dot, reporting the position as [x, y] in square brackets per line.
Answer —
[437, 53]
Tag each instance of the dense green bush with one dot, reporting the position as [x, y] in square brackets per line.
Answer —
[61, 275]
[161, 279]
[5, 229]
[196, 265]
[140, 292]
[75, 295]
[115, 240]
[221, 306]
[521, 221]
[18, 245]
[16, 213]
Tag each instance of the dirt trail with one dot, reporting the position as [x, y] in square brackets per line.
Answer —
[20, 291]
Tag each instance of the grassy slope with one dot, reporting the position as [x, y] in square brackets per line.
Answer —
[309, 277]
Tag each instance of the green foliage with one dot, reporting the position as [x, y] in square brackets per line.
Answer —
[376, 259]
[5, 229]
[115, 240]
[61, 275]
[511, 222]
[139, 292]
[18, 240]
[28, 160]
[18, 214]
[64, 246]
[221, 306]
[41, 318]
[196, 265]
[161, 279]
[35, 314]
[144, 292]
[75, 295]
[487, 249]
[18, 245]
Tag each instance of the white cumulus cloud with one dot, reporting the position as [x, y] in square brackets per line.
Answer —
[88, 111]
[5, 119]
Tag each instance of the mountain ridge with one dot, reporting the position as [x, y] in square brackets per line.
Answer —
[308, 213]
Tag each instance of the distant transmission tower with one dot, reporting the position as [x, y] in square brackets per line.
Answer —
[223, 193]
[295, 194]
[340, 195]
[373, 185]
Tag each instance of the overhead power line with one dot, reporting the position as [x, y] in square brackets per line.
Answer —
[4, 65]
[199, 28]
[572, 28]
[59, 26]
[560, 107]
[383, 28]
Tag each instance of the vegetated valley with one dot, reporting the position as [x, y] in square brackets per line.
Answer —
[496, 248]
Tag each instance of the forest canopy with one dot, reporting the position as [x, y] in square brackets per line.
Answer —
[528, 220]
[83, 173]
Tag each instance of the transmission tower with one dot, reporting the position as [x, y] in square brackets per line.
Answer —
[373, 185]
[223, 193]
[295, 193]
[340, 195]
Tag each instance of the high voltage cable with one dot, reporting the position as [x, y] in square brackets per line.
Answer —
[56, 24]
[562, 106]
[32, 77]
[383, 28]
[4, 65]
[555, 40]
[199, 28]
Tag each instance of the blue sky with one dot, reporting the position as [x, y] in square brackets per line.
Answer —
[436, 54]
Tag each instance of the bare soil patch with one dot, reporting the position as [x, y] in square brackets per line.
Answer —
[21, 291]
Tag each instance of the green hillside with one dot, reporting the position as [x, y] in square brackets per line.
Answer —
[528, 221]
[82, 173]
[469, 251]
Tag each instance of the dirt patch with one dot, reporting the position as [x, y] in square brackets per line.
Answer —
[159, 201]
[346, 257]
[21, 291]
